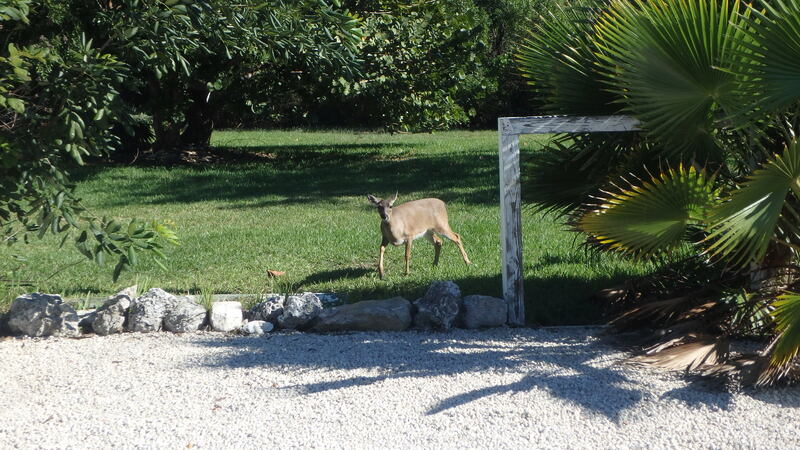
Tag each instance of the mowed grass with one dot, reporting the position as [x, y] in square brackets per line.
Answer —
[302, 210]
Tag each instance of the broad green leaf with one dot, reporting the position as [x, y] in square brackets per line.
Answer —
[16, 104]
[132, 256]
[653, 216]
[119, 267]
[99, 256]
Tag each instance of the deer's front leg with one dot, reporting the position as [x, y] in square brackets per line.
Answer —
[380, 258]
[408, 254]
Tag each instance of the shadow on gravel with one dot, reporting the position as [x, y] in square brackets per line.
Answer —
[545, 360]
[701, 392]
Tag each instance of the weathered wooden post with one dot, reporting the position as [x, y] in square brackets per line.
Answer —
[511, 222]
[508, 130]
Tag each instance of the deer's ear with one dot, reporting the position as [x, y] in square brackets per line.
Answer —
[372, 199]
[394, 199]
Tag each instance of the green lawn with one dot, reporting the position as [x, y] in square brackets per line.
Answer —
[303, 211]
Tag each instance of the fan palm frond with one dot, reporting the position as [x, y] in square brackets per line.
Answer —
[742, 228]
[561, 176]
[745, 368]
[787, 324]
[687, 353]
[658, 311]
[769, 70]
[670, 63]
[557, 58]
[654, 216]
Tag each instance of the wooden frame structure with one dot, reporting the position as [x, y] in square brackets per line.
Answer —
[509, 129]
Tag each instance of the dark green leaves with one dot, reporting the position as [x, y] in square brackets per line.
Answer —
[125, 243]
[58, 105]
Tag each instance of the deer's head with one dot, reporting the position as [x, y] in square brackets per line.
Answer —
[384, 206]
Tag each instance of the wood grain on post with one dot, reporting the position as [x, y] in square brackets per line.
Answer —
[511, 223]
[569, 124]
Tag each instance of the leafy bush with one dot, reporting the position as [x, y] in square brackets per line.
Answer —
[57, 106]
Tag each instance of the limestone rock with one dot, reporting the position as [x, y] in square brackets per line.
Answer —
[328, 299]
[110, 318]
[130, 291]
[147, 312]
[370, 315]
[257, 327]
[440, 306]
[299, 310]
[184, 315]
[85, 319]
[226, 316]
[39, 314]
[269, 310]
[443, 288]
[481, 311]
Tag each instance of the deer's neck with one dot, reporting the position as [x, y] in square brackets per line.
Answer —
[391, 228]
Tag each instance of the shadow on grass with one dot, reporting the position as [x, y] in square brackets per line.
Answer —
[559, 363]
[319, 149]
[329, 276]
[307, 173]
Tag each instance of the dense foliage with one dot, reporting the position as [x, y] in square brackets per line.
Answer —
[58, 103]
[715, 86]
[77, 75]
[425, 65]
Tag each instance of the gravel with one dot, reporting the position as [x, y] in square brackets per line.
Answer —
[501, 388]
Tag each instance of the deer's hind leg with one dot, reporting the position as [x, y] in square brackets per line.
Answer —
[437, 245]
[453, 236]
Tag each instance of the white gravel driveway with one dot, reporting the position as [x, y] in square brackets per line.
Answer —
[502, 388]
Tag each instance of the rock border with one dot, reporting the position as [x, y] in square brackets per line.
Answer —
[441, 308]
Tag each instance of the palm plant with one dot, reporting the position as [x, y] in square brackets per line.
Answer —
[716, 85]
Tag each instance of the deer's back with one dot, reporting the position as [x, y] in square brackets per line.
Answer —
[421, 215]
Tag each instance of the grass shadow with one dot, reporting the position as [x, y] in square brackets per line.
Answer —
[374, 147]
[301, 176]
[328, 276]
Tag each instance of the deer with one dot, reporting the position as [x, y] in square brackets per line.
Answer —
[412, 220]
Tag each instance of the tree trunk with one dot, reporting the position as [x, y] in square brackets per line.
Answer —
[167, 131]
[199, 124]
